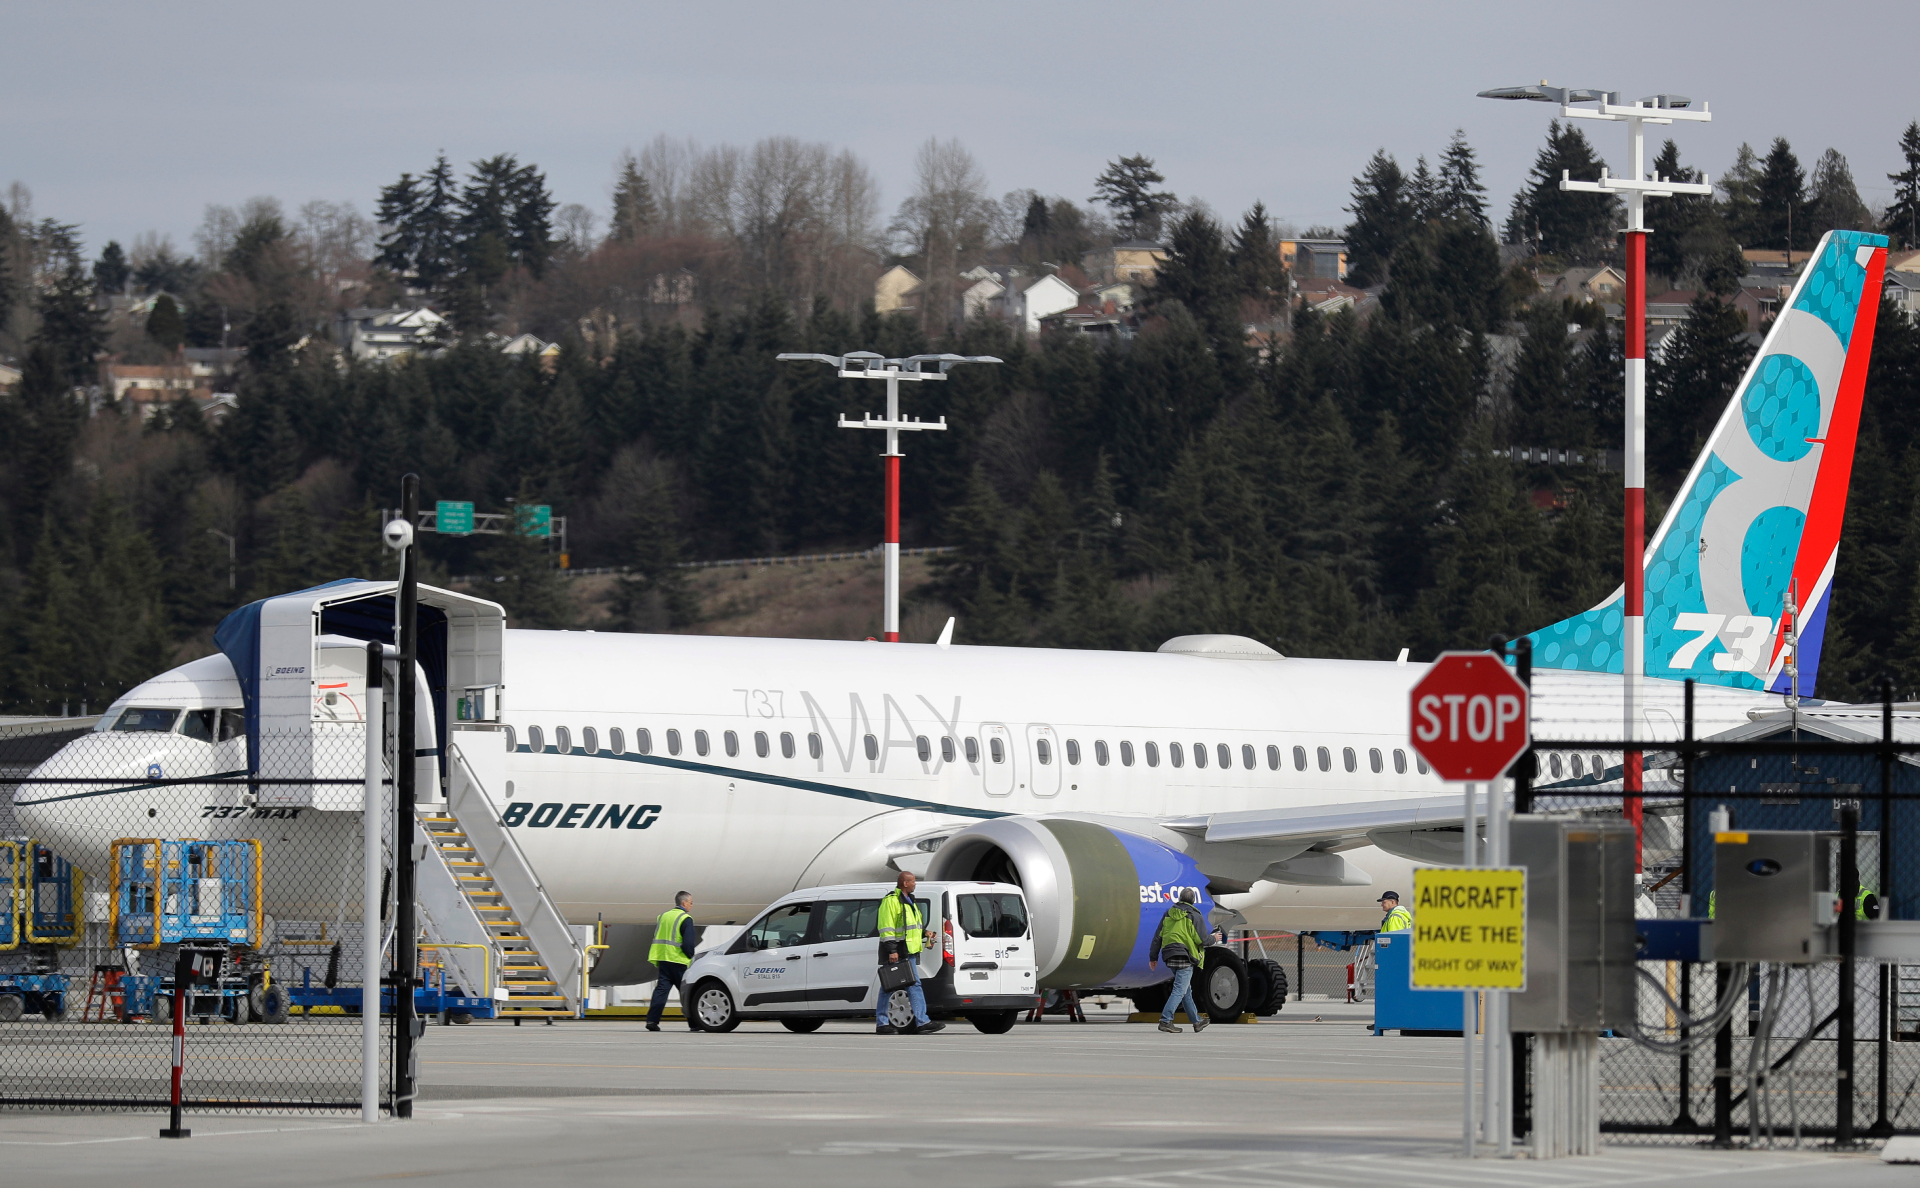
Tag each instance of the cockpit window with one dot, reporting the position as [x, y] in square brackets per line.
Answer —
[198, 723]
[158, 721]
[233, 724]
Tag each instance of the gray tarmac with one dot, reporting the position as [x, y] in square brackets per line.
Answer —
[1286, 1101]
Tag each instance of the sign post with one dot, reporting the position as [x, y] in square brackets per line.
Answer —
[1469, 718]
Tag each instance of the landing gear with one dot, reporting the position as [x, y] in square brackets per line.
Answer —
[1269, 993]
[1224, 986]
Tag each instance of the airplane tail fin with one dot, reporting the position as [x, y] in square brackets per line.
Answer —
[1759, 516]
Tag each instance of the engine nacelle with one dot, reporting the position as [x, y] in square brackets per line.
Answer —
[1095, 894]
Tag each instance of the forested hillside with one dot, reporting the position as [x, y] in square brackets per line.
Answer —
[1334, 492]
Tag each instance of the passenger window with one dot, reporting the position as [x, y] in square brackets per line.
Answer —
[673, 742]
[1421, 764]
[999, 752]
[513, 743]
[1225, 753]
[1299, 758]
[1553, 761]
[1399, 761]
[643, 741]
[617, 741]
[1176, 754]
[849, 919]
[562, 740]
[1199, 754]
[198, 723]
[1374, 761]
[873, 748]
[781, 927]
[786, 744]
[1598, 767]
[1153, 754]
[1326, 758]
[761, 744]
[1349, 759]
[946, 748]
[1126, 754]
[923, 747]
[1043, 750]
[1073, 751]
[973, 749]
[732, 742]
[1246, 756]
[590, 739]
[1100, 755]
[1576, 766]
[701, 744]
[813, 746]
[536, 740]
[233, 724]
[1273, 758]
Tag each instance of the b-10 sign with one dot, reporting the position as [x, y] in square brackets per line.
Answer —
[1470, 928]
[1469, 716]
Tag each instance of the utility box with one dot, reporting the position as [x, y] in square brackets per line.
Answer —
[1580, 932]
[1774, 897]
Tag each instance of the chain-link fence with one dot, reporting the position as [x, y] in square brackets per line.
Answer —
[125, 840]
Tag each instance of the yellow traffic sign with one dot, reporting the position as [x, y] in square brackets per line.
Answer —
[1470, 928]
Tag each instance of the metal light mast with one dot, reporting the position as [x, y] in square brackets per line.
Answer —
[1636, 188]
[868, 365]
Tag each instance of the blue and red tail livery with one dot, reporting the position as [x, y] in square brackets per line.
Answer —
[1759, 517]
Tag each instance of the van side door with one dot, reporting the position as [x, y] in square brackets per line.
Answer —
[773, 966]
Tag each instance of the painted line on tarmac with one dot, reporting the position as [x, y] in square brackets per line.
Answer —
[925, 1072]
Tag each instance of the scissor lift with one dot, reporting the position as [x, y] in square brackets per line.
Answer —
[168, 892]
[43, 914]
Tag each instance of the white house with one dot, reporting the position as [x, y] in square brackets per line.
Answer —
[382, 334]
[1030, 300]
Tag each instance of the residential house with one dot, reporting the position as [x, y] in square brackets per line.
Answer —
[983, 296]
[382, 334]
[1903, 261]
[1101, 320]
[1324, 259]
[896, 291]
[1601, 285]
[1134, 260]
[674, 288]
[1775, 263]
[1326, 295]
[548, 353]
[1903, 289]
[1670, 308]
[1031, 298]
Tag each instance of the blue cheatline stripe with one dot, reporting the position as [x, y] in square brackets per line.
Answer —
[181, 782]
[735, 773]
[1585, 781]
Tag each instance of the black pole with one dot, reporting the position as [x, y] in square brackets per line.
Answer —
[1685, 1119]
[1849, 892]
[1883, 1125]
[1299, 967]
[1523, 771]
[1889, 1014]
[1723, 1064]
[406, 1028]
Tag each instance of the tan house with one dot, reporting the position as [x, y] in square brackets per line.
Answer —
[1136, 261]
[1323, 259]
[1602, 285]
[896, 291]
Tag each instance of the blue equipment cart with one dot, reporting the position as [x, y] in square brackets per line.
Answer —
[1397, 1006]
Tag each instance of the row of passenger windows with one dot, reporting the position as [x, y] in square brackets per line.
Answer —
[1177, 754]
[1577, 762]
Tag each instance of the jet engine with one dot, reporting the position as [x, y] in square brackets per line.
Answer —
[1095, 894]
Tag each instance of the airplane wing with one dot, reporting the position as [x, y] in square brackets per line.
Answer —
[1420, 828]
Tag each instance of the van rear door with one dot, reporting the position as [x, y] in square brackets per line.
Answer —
[993, 946]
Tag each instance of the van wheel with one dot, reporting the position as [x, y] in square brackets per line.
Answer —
[1273, 994]
[1224, 986]
[714, 1007]
[994, 1022]
[900, 1009]
[460, 1018]
[802, 1026]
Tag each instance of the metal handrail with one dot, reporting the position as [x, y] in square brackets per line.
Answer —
[486, 959]
[14, 929]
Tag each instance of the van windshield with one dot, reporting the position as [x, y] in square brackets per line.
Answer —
[157, 720]
[1001, 914]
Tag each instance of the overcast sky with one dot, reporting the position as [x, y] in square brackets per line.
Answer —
[127, 117]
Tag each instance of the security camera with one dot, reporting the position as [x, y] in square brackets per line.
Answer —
[398, 534]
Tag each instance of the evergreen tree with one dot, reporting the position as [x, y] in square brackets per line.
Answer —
[1255, 257]
[1383, 216]
[71, 329]
[634, 212]
[398, 212]
[1692, 247]
[532, 221]
[1423, 193]
[1038, 223]
[1741, 184]
[43, 423]
[1199, 273]
[1563, 223]
[1459, 192]
[436, 227]
[164, 324]
[1126, 187]
[1780, 201]
[1689, 386]
[111, 271]
[528, 582]
[1834, 204]
[1902, 221]
[1546, 410]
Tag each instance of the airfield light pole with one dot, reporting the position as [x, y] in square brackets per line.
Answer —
[1635, 188]
[868, 365]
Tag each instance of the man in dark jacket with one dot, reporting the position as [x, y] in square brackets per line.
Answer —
[674, 936]
[1177, 942]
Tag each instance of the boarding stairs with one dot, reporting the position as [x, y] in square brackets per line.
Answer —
[486, 911]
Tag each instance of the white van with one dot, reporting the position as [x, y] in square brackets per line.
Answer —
[815, 955]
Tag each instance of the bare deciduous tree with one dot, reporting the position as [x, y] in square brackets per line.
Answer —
[947, 217]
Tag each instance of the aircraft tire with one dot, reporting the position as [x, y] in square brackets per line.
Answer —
[714, 1006]
[1270, 982]
[802, 1026]
[1224, 989]
[994, 1022]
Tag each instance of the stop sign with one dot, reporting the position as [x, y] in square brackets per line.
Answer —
[1469, 716]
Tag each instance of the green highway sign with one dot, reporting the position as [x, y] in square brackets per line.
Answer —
[536, 519]
[453, 518]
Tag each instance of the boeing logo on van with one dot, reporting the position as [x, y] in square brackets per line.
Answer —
[553, 814]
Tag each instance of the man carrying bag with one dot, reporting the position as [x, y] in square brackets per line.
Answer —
[902, 932]
[1177, 942]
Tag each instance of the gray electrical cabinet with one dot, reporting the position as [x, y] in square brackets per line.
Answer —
[1580, 931]
[1773, 896]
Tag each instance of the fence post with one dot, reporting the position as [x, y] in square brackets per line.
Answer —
[1521, 1045]
[1889, 986]
[1723, 1063]
[406, 635]
[371, 818]
[1299, 967]
[1849, 891]
[1687, 758]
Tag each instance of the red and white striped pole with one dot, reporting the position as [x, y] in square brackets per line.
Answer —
[181, 979]
[890, 625]
[1633, 636]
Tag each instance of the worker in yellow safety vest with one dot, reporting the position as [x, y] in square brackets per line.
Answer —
[902, 931]
[673, 940]
[1397, 918]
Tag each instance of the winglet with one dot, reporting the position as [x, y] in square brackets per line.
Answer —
[946, 635]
